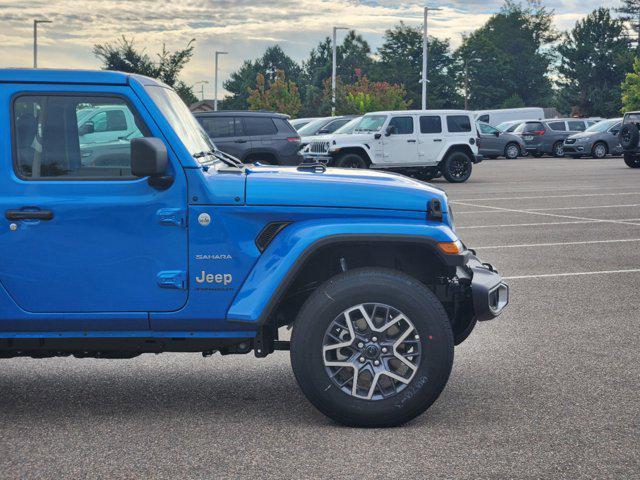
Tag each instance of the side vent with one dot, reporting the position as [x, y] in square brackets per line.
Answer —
[268, 233]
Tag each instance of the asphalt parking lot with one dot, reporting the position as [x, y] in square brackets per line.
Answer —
[548, 390]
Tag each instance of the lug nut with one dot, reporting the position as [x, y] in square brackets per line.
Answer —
[374, 339]
[361, 359]
[376, 363]
[360, 345]
[384, 349]
[417, 337]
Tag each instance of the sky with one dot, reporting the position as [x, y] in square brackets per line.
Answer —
[244, 28]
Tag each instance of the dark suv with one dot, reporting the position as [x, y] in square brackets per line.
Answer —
[263, 137]
[547, 137]
[630, 139]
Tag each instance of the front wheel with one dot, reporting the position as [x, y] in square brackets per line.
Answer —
[632, 160]
[599, 150]
[457, 167]
[512, 151]
[372, 347]
[558, 149]
[351, 160]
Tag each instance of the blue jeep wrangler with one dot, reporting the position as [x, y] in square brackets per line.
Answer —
[177, 247]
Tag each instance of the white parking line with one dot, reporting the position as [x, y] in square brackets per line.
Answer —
[529, 210]
[545, 214]
[572, 274]
[573, 195]
[507, 225]
[556, 244]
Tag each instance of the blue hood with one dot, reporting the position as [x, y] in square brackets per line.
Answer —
[337, 188]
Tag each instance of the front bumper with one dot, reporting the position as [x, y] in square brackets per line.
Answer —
[490, 294]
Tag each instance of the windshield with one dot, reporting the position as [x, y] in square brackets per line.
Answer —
[370, 123]
[504, 126]
[192, 135]
[312, 127]
[602, 126]
[349, 127]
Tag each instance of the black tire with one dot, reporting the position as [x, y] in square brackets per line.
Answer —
[512, 151]
[629, 136]
[457, 167]
[599, 150]
[364, 286]
[632, 160]
[558, 150]
[351, 160]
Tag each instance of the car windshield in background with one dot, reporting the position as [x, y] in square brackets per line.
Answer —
[370, 123]
[602, 126]
[350, 126]
[504, 125]
[312, 127]
[191, 133]
[632, 118]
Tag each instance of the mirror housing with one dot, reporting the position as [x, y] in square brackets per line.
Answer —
[615, 132]
[391, 130]
[496, 133]
[149, 158]
[86, 128]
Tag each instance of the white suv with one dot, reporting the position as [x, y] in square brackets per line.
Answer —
[424, 144]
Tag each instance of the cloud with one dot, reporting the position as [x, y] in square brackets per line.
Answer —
[244, 28]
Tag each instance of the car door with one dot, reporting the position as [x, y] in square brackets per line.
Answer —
[490, 142]
[84, 238]
[612, 138]
[430, 139]
[263, 135]
[399, 141]
[227, 133]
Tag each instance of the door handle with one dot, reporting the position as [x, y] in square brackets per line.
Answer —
[240, 141]
[28, 215]
[411, 141]
[437, 139]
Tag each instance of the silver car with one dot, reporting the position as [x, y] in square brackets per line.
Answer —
[494, 143]
[597, 141]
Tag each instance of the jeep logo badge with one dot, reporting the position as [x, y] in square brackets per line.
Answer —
[204, 219]
[219, 278]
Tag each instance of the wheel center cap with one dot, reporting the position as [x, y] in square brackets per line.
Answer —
[371, 351]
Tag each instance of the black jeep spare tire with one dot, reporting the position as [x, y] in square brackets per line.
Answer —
[632, 160]
[629, 136]
[372, 347]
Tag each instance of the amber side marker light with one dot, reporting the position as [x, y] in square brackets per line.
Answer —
[450, 248]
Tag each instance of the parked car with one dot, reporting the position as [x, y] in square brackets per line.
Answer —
[630, 139]
[598, 141]
[298, 123]
[425, 144]
[509, 127]
[253, 136]
[189, 250]
[547, 137]
[495, 117]
[322, 126]
[494, 143]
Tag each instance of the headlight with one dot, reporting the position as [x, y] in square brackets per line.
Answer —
[584, 139]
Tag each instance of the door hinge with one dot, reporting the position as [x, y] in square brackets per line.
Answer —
[173, 217]
[176, 279]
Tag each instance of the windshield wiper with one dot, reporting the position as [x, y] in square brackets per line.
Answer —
[223, 157]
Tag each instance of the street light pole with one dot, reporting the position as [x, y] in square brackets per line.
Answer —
[425, 55]
[215, 88]
[35, 40]
[334, 69]
[201, 83]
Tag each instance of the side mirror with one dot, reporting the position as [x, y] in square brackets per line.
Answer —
[322, 131]
[496, 133]
[391, 130]
[615, 132]
[149, 158]
[86, 129]
[377, 136]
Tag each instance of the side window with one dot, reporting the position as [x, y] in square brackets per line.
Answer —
[484, 118]
[615, 129]
[218, 127]
[576, 126]
[403, 125]
[336, 124]
[458, 123]
[557, 126]
[430, 124]
[259, 126]
[74, 137]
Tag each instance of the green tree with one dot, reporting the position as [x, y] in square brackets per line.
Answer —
[630, 11]
[400, 62]
[594, 58]
[508, 57]
[364, 96]
[631, 89]
[279, 95]
[123, 56]
[242, 81]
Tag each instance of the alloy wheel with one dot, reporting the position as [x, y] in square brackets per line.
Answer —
[371, 351]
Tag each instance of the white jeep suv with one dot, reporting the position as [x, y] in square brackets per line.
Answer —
[424, 144]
